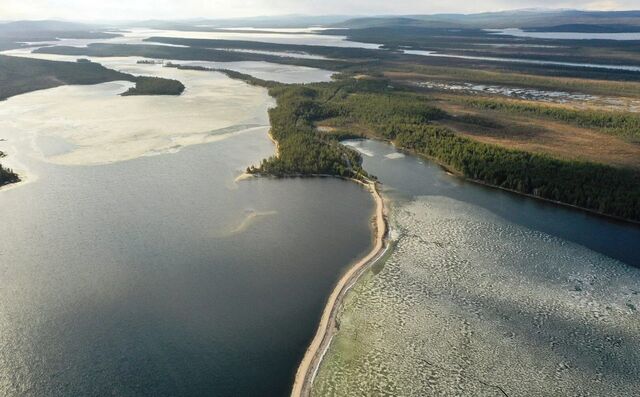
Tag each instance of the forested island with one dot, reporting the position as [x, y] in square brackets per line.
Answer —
[7, 175]
[155, 86]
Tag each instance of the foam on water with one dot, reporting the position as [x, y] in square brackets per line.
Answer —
[470, 304]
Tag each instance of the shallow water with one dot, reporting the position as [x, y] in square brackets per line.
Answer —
[107, 127]
[409, 176]
[263, 70]
[268, 71]
[133, 261]
[478, 299]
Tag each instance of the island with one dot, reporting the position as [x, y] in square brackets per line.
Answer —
[7, 175]
[155, 86]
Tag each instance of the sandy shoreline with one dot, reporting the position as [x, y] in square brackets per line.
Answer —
[315, 352]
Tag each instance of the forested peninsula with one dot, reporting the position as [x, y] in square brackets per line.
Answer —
[21, 75]
[373, 107]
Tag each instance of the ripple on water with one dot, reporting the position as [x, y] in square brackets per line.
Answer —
[469, 304]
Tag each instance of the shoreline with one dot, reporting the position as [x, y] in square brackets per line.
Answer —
[316, 350]
[455, 173]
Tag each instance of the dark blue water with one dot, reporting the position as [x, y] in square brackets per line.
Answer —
[162, 277]
[417, 177]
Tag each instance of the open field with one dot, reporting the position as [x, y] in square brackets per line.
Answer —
[533, 134]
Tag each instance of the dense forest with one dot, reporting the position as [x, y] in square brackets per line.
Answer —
[405, 118]
[7, 175]
[155, 86]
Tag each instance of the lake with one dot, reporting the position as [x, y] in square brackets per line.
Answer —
[134, 263]
[485, 293]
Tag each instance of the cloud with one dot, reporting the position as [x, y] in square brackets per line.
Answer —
[173, 9]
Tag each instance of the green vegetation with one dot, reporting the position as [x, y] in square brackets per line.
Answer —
[188, 53]
[593, 186]
[623, 124]
[7, 175]
[155, 86]
[406, 119]
[21, 75]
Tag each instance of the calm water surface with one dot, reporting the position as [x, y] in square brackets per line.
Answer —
[141, 267]
[411, 176]
[486, 294]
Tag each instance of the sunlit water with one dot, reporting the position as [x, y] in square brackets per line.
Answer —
[133, 263]
[486, 297]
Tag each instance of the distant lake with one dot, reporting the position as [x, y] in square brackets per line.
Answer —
[486, 293]
[132, 262]
[566, 35]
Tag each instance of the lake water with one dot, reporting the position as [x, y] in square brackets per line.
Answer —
[629, 68]
[296, 37]
[411, 176]
[133, 262]
[566, 35]
[486, 294]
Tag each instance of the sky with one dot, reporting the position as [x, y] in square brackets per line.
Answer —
[176, 9]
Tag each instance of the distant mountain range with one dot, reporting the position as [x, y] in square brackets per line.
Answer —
[539, 20]
[506, 19]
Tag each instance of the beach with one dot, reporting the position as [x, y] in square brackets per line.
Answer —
[327, 326]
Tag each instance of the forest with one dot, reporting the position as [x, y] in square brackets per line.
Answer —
[155, 86]
[21, 75]
[7, 175]
[406, 119]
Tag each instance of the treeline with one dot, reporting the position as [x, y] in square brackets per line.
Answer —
[406, 119]
[7, 175]
[155, 86]
[623, 124]
[230, 73]
[597, 187]
[302, 151]
[20, 75]
[189, 54]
